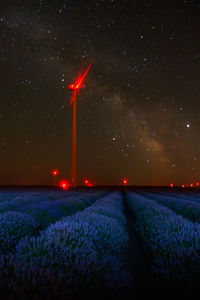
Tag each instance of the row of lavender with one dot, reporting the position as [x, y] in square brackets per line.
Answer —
[174, 242]
[187, 207]
[189, 196]
[21, 217]
[80, 252]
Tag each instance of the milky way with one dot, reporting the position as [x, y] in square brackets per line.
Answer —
[138, 114]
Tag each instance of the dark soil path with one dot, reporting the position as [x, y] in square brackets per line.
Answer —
[138, 263]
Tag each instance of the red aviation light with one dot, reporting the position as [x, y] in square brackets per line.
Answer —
[183, 185]
[71, 87]
[171, 185]
[55, 172]
[197, 183]
[125, 181]
[64, 184]
[191, 184]
[87, 182]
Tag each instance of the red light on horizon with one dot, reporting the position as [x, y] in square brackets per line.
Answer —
[55, 172]
[125, 181]
[87, 182]
[191, 184]
[64, 184]
[171, 185]
[197, 183]
[183, 186]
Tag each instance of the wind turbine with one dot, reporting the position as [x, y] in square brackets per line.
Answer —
[74, 88]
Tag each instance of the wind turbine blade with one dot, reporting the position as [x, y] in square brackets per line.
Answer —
[73, 97]
[82, 78]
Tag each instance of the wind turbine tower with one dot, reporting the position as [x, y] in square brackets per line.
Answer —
[75, 88]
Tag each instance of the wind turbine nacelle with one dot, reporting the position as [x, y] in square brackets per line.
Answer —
[74, 87]
[78, 84]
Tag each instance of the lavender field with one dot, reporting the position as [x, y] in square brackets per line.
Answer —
[96, 242]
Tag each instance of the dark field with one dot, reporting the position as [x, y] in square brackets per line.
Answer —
[97, 242]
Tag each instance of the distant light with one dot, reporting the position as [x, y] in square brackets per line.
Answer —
[183, 186]
[197, 183]
[171, 184]
[64, 184]
[55, 172]
[188, 125]
[191, 184]
[125, 181]
[87, 183]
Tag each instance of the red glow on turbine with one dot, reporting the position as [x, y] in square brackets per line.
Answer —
[71, 87]
[55, 172]
[78, 84]
[64, 184]
[125, 181]
[79, 81]
[74, 88]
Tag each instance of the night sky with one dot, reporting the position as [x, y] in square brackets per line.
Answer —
[138, 114]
